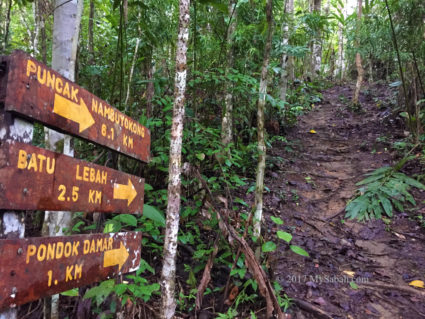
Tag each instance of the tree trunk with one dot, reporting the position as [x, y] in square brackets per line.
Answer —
[359, 66]
[12, 223]
[286, 31]
[259, 185]
[227, 120]
[37, 18]
[130, 77]
[91, 43]
[150, 88]
[66, 27]
[43, 39]
[316, 57]
[340, 60]
[168, 303]
[6, 26]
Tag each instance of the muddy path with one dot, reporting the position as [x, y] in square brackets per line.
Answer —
[311, 178]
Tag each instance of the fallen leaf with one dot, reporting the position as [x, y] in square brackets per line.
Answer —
[400, 235]
[313, 132]
[417, 284]
[233, 293]
[349, 273]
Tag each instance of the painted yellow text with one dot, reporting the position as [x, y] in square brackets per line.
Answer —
[95, 197]
[99, 245]
[53, 251]
[36, 162]
[78, 270]
[117, 117]
[90, 174]
[49, 79]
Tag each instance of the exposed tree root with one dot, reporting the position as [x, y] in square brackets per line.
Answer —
[319, 313]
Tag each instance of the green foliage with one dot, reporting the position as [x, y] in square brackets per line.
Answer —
[137, 287]
[268, 247]
[70, 293]
[383, 190]
[153, 214]
[284, 301]
[101, 292]
[286, 237]
[298, 250]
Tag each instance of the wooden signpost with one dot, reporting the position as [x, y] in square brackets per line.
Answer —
[37, 92]
[33, 268]
[32, 178]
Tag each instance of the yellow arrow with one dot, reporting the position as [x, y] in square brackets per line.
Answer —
[115, 257]
[127, 192]
[72, 111]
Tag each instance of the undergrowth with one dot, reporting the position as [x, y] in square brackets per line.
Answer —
[382, 191]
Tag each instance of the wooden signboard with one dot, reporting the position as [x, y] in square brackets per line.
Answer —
[37, 92]
[33, 178]
[33, 268]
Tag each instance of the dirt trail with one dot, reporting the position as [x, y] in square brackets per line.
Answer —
[309, 191]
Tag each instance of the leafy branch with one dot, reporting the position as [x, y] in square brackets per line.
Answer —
[381, 191]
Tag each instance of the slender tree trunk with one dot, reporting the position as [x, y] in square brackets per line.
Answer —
[66, 27]
[370, 69]
[359, 66]
[43, 40]
[259, 185]
[133, 63]
[90, 32]
[421, 84]
[316, 57]
[168, 303]
[286, 31]
[150, 88]
[227, 120]
[6, 25]
[37, 18]
[341, 52]
[91, 43]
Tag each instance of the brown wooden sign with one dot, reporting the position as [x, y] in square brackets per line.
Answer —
[33, 268]
[33, 178]
[37, 92]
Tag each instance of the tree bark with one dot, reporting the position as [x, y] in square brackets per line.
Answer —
[90, 32]
[359, 66]
[286, 31]
[37, 18]
[12, 224]
[130, 77]
[43, 40]
[66, 27]
[227, 120]
[259, 185]
[340, 58]
[6, 25]
[316, 57]
[150, 88]
[168, 303]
